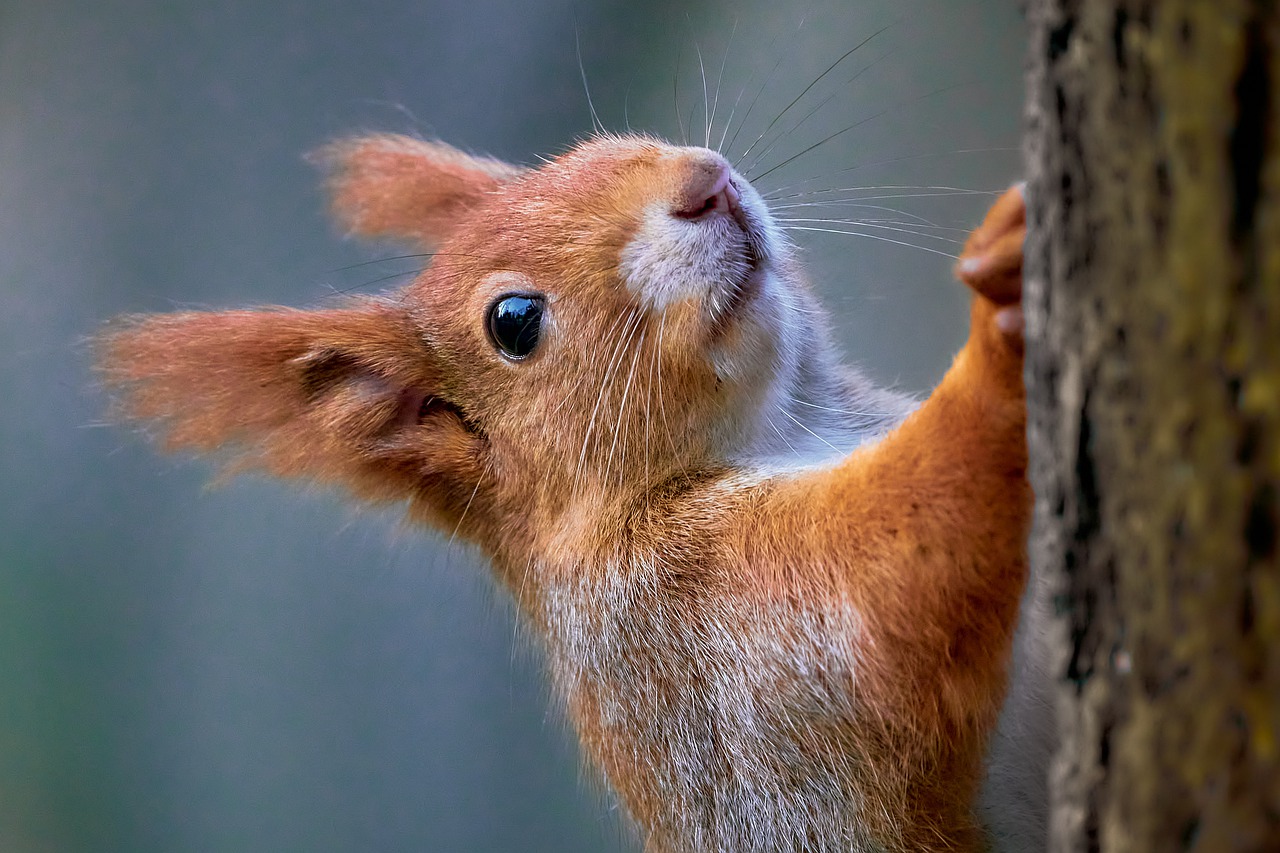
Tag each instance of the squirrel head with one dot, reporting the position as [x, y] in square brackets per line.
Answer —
[583, 331]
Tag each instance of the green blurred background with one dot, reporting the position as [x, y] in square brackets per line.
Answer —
[248, 668]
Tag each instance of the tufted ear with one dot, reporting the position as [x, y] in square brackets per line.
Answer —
[348, 396]
[406, 190]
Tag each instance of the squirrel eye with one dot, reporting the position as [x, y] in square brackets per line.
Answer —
[515, 322]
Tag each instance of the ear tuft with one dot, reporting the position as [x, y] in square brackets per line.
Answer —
[332, 396]
[398, 188]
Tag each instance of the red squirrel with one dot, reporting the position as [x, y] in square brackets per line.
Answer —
[778, 602]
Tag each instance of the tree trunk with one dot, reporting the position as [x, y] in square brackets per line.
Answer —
[1153, 369]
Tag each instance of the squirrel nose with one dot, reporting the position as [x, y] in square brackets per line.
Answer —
[708, 189]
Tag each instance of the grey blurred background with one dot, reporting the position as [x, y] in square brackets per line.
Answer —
[248, 668]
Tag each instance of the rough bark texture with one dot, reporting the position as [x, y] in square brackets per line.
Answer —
[1153, 306]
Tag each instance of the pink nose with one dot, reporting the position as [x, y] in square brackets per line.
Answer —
[708, 189]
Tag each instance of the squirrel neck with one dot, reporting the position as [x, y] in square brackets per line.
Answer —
[817, 412]
[820, 413]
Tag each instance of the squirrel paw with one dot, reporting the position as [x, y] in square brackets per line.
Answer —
[991, 262]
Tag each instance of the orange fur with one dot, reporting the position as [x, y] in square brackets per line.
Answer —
[817, 653]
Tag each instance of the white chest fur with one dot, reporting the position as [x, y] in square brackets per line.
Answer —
[729, 702]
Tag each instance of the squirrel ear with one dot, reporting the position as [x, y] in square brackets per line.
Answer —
[408, 190]
[344, 396]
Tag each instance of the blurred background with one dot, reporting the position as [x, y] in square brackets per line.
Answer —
[250, 668]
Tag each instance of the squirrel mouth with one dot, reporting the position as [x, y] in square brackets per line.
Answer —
[734, 292]
[746, 285]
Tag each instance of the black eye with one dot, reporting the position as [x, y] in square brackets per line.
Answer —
[515, 323]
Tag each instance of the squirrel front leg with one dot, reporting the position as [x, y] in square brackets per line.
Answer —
[930, 525]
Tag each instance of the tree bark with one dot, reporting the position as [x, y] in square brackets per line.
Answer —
[1153, 373]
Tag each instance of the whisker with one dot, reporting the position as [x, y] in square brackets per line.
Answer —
[350, 267]
[764, 84]
[728, 124]
[622, 405]
[874, 237]
[615, 360]
[648, 416]
[516, 623]
[706, 101]
[938, 190]
[577, 386]
[800, 424]
[818, 144]
[715, 104]
[662, 407]
[808, 312]
[379, 280]
[781, 435]
[837, 203]
[841, 90]
[800, 402]
[626, 107]
[675, 96]
[895, 196]
[419, 125]
[862, 223]
[872, 164]
[626, 438]
[596, 124]
[454, 535]
[806, 89]
[586, 439]
[918, 225]
[824, 141]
